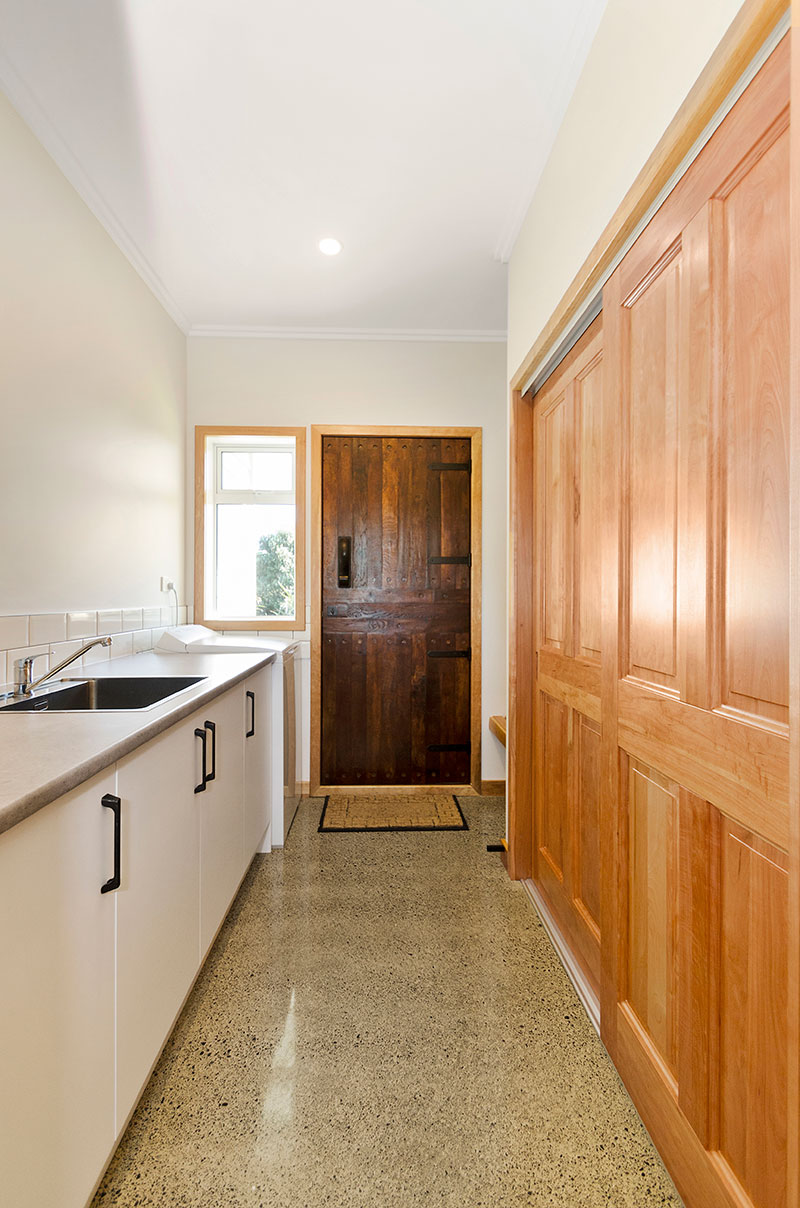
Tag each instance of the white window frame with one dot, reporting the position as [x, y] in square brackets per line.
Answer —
[210, 444]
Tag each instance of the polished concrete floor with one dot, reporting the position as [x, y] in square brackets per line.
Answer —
[383, 1022]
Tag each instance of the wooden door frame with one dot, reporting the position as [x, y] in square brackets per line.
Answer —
[521, 639]
[475, 436]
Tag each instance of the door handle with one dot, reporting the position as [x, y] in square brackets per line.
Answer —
[251, 696]
[212, 775]
[345, 548]
[201, 734]
[115, 805]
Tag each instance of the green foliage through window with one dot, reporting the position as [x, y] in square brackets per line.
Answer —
[275, 575]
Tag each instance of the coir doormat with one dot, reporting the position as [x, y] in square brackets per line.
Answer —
[428, 811]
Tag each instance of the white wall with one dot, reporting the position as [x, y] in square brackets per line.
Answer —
[643, 62]
[92, 403]
[300, 382]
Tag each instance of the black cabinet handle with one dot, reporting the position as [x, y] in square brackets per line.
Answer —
[115, 805]
[201, 787]
[344, 547]
[251, 696]
[212, 775]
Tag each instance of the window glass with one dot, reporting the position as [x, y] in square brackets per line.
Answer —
[255, 562]
[256, 470]
[249, 518]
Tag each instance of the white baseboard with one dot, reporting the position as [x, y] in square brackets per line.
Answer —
[575, 973]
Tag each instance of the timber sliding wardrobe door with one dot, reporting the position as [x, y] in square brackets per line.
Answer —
[661, 659]
[567, 443]
[695, 691]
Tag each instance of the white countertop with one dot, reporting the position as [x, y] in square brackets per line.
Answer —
[44, 755]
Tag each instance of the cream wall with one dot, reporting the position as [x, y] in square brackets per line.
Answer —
[301, 382]
[92, 403]
[643, 62]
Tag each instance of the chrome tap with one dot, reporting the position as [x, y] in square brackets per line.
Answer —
[24, 685]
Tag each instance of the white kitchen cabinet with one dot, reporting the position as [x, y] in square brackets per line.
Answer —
[158, 902]
[258, 730]
[90, 981]
[222, 858]
[57, 1000]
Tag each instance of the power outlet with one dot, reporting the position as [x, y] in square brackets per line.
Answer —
[166, 583]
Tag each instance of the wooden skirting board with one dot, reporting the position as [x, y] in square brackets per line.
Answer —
[493, 788]
[489, 788]
[396, 790]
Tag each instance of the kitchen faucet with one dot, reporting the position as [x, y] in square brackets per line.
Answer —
[24, 685]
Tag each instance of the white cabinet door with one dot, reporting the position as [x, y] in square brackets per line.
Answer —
[158, 903]
[258, 726]
[222, 863]
[57, 1000]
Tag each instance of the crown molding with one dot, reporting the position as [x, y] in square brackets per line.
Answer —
[30, 110]
[411, 335]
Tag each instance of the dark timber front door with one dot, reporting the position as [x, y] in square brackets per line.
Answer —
[395, 610]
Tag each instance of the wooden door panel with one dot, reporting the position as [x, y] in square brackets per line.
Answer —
[588, 449]
[755, 436]
[566, 861]
[753, 989]
[652, 956]
[652, 360]
[388, 699]
[694, 807]
[556, 511]
[344, 668]
[576, 682]
[553, 797]
[586, 856]
[414, 557]
[434, 505]
[455, 534]
[413, 703]
[387, 717]
[446, 708]
[406, 517]
[708, 754]
[567, 451]
[334, 520]
[367, 479]
[390, 517]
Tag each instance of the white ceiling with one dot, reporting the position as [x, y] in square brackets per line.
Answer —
[219, 140]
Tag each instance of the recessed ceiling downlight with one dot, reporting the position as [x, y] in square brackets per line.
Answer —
[330, 247]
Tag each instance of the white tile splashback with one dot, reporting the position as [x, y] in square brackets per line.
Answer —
[13, 632]
[46, 627]
[109, 621]
[132, 619]
[56, 635]
[81, 624]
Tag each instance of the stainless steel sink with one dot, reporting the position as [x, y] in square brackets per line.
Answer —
[113, 692]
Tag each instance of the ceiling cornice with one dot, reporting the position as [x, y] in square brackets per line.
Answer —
[423, 335]
[32, 113]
